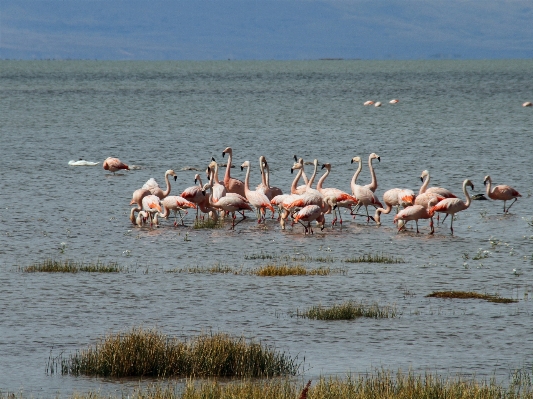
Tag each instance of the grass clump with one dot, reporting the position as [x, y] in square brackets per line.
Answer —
[207, 224]
[375, 258]
[150, 353]
[217, 268]
[260, 255]
[70, 266]
[470, 295]
[290, 270]
[348, 310]
[377, 385]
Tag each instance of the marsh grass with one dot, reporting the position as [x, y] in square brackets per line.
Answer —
[377, 385]
[216, 268]
[375, 258]
[150, 353]
[70, 266]
[273, 270]
[470, 295]
[261, 255]
[348, 310]
[207, 224]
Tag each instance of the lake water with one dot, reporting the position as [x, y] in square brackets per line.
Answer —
[458, 119]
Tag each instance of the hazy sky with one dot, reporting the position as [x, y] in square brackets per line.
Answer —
[268, 29]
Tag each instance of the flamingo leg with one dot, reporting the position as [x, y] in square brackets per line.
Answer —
[442, 219]
[416, 221]
[451, 225]
[431, 225]
[510, 205]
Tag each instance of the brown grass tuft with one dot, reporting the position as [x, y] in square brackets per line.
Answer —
[470, 295]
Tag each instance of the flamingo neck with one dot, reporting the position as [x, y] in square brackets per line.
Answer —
[295, 181]
[424, 186]
[200, 182]
[132, 214]
[488, 186]
[373, 184]
[312, 179]
[165, 213]
[247, 180]
[467, 202]
[263, 177]
[355, 176]
[215, 173]
[167, 191]
[321, 180]
[267, 176]
[227, 176]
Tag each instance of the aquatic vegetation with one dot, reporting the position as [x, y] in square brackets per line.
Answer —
[70, 266]
[260, 255]
[470, 295]
[150, 353]
[290, 270]
[216, 268]
[377, 385]
[348, 310]
[481, 254]
[375, 258]
[207, 224]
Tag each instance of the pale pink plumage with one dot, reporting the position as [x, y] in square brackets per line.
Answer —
[451, 206]
[415, 212]
[232, 185]
[114, 164]
[501, 192]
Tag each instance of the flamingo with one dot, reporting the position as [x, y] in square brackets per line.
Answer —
[374, 183]
[377, 104]
[451, 206]
[394, 101]
[114, 164]
[230, 203]
[527, 104]
[304, 176]
[257, 197]
[369, 102]
[195, 194]
[315, 212]
[137, 198]
[272, 191]
[154, 188]
[415, 212]
[152, 204]
[501, 192]
[175, 203]
[232, 185]
[434, 190]
[343, 199]
[294, 188]
[218, 190]
[141, 218]
[364, 195]
[395, 197]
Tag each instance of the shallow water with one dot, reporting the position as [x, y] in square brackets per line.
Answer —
[458, 119]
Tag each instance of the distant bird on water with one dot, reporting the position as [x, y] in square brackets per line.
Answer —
[394, 101]
[527, 104]
[114, 164]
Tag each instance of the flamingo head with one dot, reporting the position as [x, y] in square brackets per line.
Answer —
[246, 164]
[356, 159]
[228, 150]
[171, 173]
[375, 156]
[326, 166]
[487, 179]
[424, 174]
[469, 183]
[297, 165]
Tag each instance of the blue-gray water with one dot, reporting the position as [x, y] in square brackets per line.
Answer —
[457, 119]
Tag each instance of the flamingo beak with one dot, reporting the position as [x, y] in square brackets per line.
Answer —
[335, 207]
[351, 161]
[213, 159]
[295, 158]
[203, 192]
[323, 166]
[292, 170]
[242, 168]
[472, 186]
[484, 182]
[195, 181]
[379, 159]
[421, 179]
[175, 178]
[223, 154]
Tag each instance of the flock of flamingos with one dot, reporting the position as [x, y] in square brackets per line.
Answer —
[303, 204]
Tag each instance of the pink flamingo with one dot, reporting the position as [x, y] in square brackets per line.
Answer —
[310, 213]
[502, 192]
[415, 212]
[343, 199]
[175, 203]
[137, 198]
[195, 194]
[154, 188]
[374, 183]
[450, 206]
[257, 197]
[295, 189]
[395, 197]
[271, 191]
[394, 101]
[114, 164]
[218, 190]
[232, 204]
[433, 190]
[152, 204]
[369, 102]
[232, 185]
[364, 195]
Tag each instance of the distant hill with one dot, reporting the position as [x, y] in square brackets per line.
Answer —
[267, 29]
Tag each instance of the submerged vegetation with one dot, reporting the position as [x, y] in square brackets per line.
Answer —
[290, 270]
[207, 224]
[470, 295]
[378, 385]
[149, 353]
[70, 266]
[216, 268]
[375, 258]
[297, 257]
[348, 310]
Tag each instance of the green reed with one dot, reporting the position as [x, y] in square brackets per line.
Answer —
[150, 353]
[273, 270]
[375, 258]
[470, 295]
[348, 310]
[70, 266]
[377, 385]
